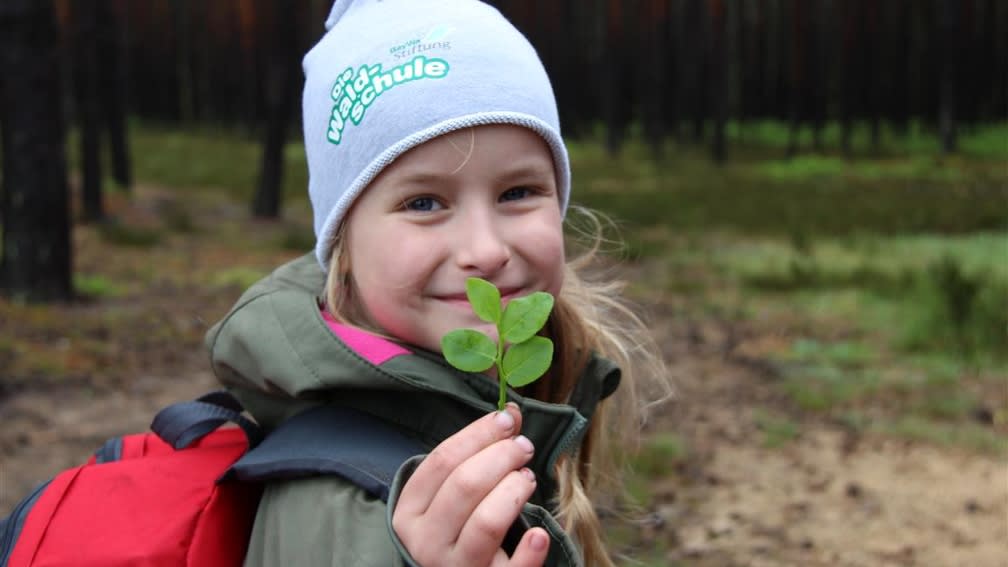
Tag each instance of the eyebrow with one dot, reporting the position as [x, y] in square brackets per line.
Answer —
[419, 178]
[531, 168]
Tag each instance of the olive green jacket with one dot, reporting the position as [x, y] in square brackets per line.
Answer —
[278, 355]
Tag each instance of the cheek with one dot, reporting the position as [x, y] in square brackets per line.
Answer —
[546, 249]
[556, 274]
[386, 275]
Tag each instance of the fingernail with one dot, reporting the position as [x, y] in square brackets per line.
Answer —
[528, 474]
[539, 541]
[524, 443]
[505, 420]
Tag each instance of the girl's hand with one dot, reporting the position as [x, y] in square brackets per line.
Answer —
[457, 507]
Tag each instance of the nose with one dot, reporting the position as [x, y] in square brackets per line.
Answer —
[481, 246]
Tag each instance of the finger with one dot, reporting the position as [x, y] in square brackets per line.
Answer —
[425, 482]
[532, 549]
[484, 531]
[474, 480]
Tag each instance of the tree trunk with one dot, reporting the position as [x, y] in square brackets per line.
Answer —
[89, 106]
[796, 74]
[652, 80]
[848, 63]
[183, 60]
[617, 77]
[872, 69]
[280, 92]
[948, 21]
[111, 60]
[700, 18]
[247, 26]
[819, 63]
[36, 257]
[718, 79]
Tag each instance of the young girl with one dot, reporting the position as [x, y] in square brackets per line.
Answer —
[434, 154]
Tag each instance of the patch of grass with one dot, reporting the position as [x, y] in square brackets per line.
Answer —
[804, 272]
[843, 353]
[777, 430]
[659, 455]
[939, 387]
[955, 311]
[942, 404]
[96, 285]
[823, 376]
[637, 489]
[872, 262]
[970, 436]
[812, 168]
[205, 157]
[840, 309]
[825, 388]
[927, 292]
[988, 141]
[756, 193]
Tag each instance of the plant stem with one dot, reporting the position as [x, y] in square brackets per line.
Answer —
[502, 397]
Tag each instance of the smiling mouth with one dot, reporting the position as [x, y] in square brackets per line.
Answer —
[507, 293]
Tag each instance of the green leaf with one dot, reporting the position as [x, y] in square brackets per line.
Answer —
[525, 362]
[469, 350]
[523, 317]
[485, 299]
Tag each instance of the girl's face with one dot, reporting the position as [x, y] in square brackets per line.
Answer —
[479, 202]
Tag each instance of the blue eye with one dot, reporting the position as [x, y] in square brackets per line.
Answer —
[515, 194]
[422, 204]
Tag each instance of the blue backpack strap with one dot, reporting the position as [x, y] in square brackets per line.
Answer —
[184, 423]
[330, 440]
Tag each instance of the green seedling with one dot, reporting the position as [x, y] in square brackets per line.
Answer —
[527, 356]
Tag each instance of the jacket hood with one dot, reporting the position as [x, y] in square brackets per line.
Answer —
[280, 355]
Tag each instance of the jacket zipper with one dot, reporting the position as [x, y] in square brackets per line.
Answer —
[11, 527]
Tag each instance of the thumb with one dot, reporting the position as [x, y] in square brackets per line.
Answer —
[532, 549]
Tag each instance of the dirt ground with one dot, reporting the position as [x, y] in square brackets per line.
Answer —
[828, 497]
[831, 496]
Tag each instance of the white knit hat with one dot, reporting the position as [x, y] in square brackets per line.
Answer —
[389, 75]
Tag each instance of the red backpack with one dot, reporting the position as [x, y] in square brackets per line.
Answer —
[186, 494]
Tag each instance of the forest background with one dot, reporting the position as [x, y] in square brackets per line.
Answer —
[813, 195]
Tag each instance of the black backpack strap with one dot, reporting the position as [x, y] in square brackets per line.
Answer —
[184, 423]
[330, 440]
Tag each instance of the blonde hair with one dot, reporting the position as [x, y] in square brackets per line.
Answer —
[589, 316]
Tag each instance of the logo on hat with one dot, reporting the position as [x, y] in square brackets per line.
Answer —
[435, 38]
[352, 93]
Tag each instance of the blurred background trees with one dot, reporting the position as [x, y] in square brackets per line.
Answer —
[679, 67]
